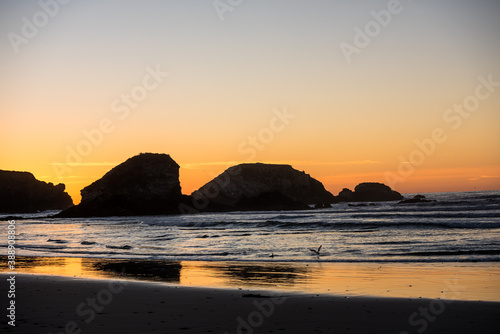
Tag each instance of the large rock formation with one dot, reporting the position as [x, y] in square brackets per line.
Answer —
[369, 192]
[269, 201]
[263, 187]
[143, 185]
[21, 192]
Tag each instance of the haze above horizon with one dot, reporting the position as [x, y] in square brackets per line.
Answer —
[406, 93]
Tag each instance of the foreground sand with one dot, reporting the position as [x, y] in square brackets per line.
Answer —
[54, 304]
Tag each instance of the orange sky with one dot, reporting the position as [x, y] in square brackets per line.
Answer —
[111, 80]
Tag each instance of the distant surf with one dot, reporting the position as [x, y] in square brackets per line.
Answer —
[457, 227]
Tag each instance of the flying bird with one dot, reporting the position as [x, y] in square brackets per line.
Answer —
[316, 251]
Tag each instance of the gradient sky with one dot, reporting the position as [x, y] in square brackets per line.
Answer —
[352, 121]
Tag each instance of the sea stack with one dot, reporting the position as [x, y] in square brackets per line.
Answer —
[369, 192]
[264, 187]
[21, 192]
[145, 184]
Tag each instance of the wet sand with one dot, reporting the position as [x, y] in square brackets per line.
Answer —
[55, 304]
[82, 295]
[462, 281]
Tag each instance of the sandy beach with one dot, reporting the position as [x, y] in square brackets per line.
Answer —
[61, 304]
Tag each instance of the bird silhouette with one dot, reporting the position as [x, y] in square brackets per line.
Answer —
[316, 251]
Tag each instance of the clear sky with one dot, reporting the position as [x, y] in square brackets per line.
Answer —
[345, 90]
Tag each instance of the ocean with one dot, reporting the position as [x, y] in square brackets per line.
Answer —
[457, 227]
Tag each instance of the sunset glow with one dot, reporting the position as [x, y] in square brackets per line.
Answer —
[417, 107]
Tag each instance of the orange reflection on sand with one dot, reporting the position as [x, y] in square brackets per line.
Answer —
[51, 266]
[464, 281]
[196, 274]
[447, 281]
[390, 280]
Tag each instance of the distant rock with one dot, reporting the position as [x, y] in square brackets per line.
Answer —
[143, 185]
[416, 199]
[369, 192]
[263, 187]
[21, 192]
[375, 192]
[346, 195]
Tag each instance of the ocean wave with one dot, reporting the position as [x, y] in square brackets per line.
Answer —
[124, 247]
[103, 221]
[461, 227]
[293, 216]
[361, 225]
[467, 205]
[228, 256]
[41, 247]
[429, 215]
[127, 222]
[447, 253]
[166, 256]
[163, 239]
[488, 197]
[58, 241]
[403, 242]
[427, 225]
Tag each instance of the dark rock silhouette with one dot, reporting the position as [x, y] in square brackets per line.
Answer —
[375, 192]
[369, 192]
[346, 195]
[281, 185]
[416, 199]
[148, 184]
[21, 192]
[267, 201]
[145, 184]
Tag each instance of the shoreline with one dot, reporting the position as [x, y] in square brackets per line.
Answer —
[458, 281]
[56, 304]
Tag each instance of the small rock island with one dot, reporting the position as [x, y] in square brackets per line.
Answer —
[369, 192]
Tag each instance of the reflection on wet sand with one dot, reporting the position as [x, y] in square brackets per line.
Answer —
[282, 276]
[165, 271]
[467, 281]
